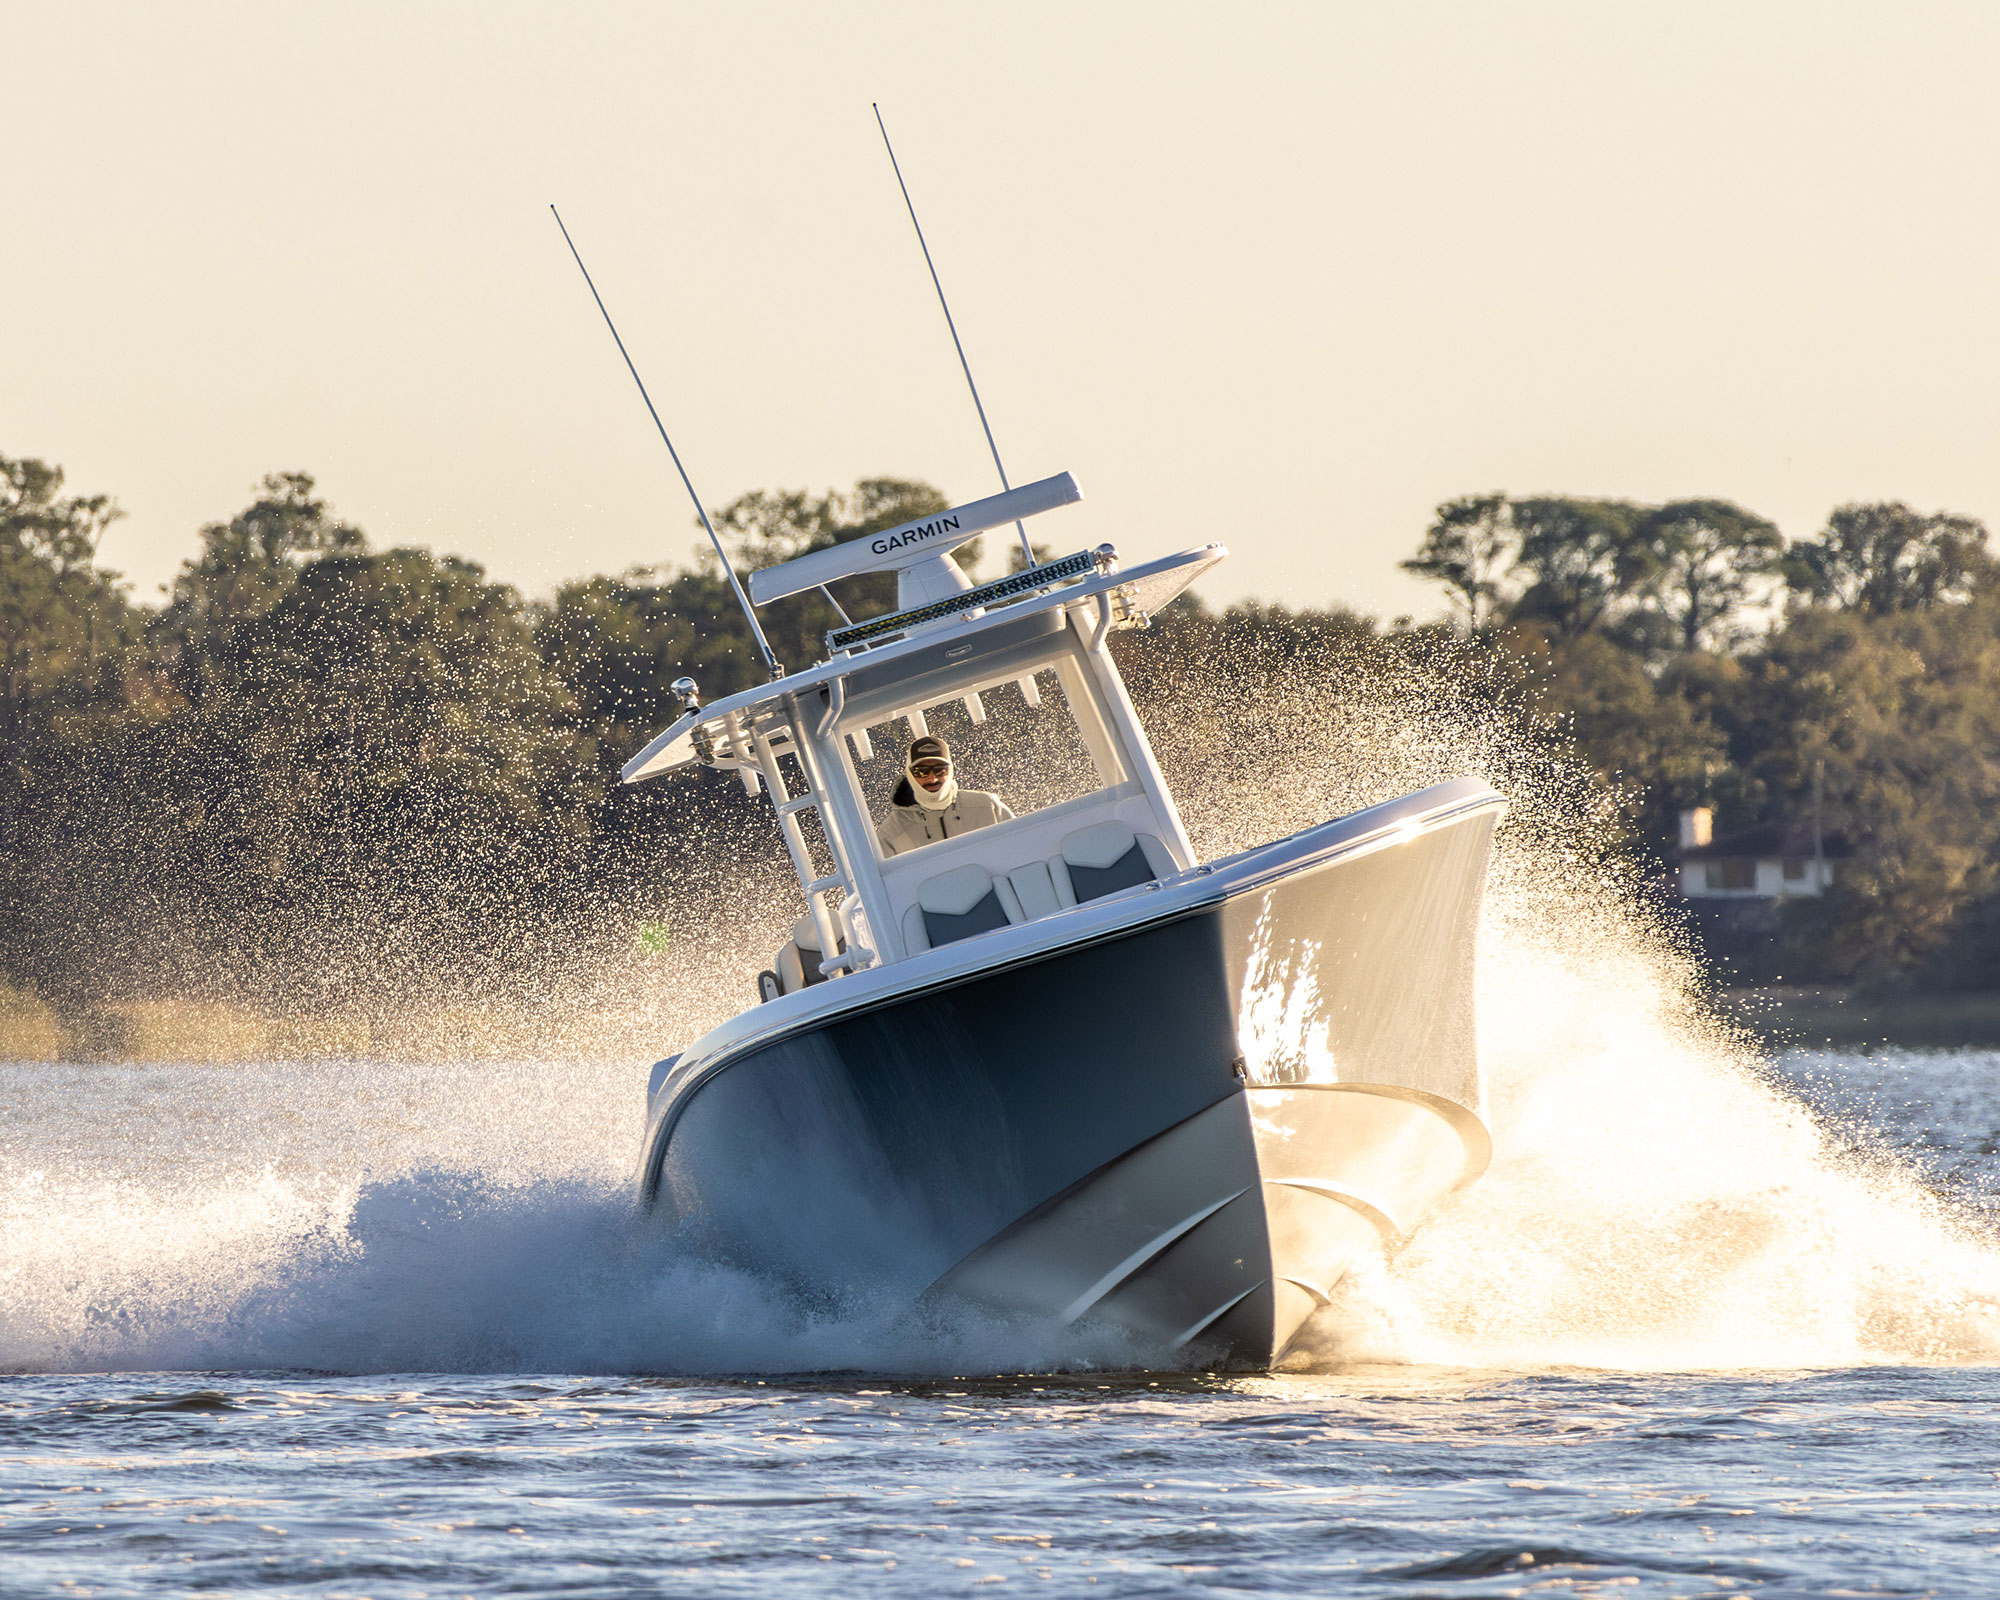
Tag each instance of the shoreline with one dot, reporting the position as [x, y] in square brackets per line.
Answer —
[188, 1032]
[1785, 1016]
[1778, 1016]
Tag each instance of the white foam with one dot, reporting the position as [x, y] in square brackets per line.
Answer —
[408, 1239]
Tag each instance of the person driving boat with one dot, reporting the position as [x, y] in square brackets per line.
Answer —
[928, 804]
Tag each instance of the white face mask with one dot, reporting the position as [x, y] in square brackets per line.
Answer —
[946, 791]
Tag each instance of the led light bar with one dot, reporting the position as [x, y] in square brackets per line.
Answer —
[1016, 587]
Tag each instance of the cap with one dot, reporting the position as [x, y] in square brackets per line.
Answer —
[928, 749]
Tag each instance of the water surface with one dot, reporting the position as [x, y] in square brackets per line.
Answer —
[264, 1335]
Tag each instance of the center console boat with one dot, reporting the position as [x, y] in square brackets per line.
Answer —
[1061, 1068]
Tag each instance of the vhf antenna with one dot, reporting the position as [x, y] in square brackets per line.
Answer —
[742, 599]
[1027, 550]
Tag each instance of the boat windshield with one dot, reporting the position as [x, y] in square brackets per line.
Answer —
[1032, 757]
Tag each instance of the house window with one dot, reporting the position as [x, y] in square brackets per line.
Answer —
[1795, 869]
[1737, 872]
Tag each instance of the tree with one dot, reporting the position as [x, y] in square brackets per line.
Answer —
[36, 520]
[1641, 735]
[58, 609]
[1883, 558]
[1900, 715]
[619, 642]
[246, 567]
[1582, 559]
[1708, 560]
[380, 771]
[63, 627]
[1467, 548]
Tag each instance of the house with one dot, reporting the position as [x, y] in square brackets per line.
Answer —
[1777, 861]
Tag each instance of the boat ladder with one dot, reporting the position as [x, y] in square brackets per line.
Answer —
[787, 807]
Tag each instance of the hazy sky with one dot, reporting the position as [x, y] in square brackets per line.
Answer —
[1284, 275]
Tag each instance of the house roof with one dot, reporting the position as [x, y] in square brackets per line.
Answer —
[1770, 841]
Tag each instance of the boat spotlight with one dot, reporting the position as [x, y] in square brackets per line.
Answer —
[1107, 557]
[689, 693]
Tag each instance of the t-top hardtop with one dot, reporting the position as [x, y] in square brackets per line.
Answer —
[949, 640]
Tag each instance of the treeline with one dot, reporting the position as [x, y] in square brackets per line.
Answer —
[1700, 660]
[322, 770]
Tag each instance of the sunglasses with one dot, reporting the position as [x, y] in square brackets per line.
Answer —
[931, 769]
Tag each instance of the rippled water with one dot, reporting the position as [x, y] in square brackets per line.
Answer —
[1403, 1482]
[288, 1239]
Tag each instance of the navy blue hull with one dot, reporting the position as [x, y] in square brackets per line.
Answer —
[948, 1136]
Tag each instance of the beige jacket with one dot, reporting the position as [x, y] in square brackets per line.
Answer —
[910, 827]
